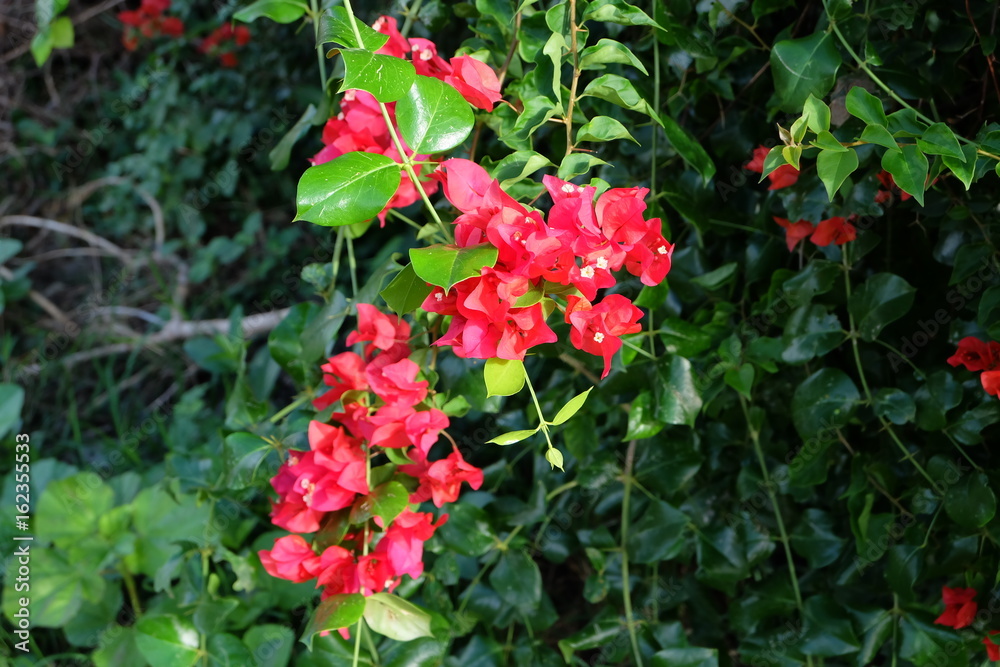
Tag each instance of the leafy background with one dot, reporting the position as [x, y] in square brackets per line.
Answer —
[803, 394]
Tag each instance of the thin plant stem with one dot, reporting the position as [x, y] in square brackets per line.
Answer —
[410, 13]
[961, 450]
[626, 584]
[538, 409]
[281, 414]
[576, 77]
[314, 13]
[133, 593]
[352, 264]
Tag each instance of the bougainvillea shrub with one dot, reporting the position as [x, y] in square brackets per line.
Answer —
[655, 334]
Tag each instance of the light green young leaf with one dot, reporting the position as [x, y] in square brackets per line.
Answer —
[608, 51]
[571, 408]
[385, 77]
[396, 618]
[504, 377]
[445, 265]
[908, 167]
[862, 104]
[619, 90]
[513, 436]
[279, 11]
[603, 128]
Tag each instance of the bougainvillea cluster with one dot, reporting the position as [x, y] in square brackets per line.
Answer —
[960, 611]
[148, 22]
[384, 411]
[502, 312]
[836, 230]
[977, 355]
[222, 42]
[359, 126]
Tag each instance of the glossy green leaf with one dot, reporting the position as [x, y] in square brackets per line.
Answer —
[827, 631]
[824, 401]
[862, 104]
[389, 500]
[817, 114]
[517, 580]
[280, 154]
[608, 51]
[678, 400]
[279, 11]
[167, 641]
[617, 11]
[818, 277]
[333, 613]
[803, 67]
[445, 265]
[351, 188]
[895, 405]
[270, 644]
[70, 509]
[572, 406]
[964, 168]
[939, 394]
[406, 291]
[433, 116]
[603, 128]
[881, 300]
[815, 540]
[828, 142]
[517, 166]
[688, 148]
[576, 164]
[908, 167]
[511, 437]
[811, 331]
[774, 159]
[834, 167]
[388, 79]
[741, 379]
[657, 535]
[467, 531]
[334, 26]
[641, 420]
[971, 502]
[41, 46]
[686, 657]
[504, 377]
[396, 618]
[619, 90]
[938, 139]
[878, 135]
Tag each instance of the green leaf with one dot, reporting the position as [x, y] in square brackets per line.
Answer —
[617, 11]
[823, 401]
[740, 379]
[387, 78]
[270, 644]
[939, 394]
[517, 166]
[895, 405]
[908, 167]
[433, 116]
[517, 580]
[576, 164]
[335, 26]
[686, 657]
[688, 148]
[608, 51]
[41, 46]
[641, 422]
[389, 500]
[9, 248]
[833, 168]
[827, 630]
[279, 11]
[167, 641]
[811, 331]
[814, 539]
[11, 402]
[878, 135]
[774, 159]
[971, 258]
[504, 377]
[802, 67]
[445, 265]
[862, 104]
[333, 613]
[467, 531]
[619, 90]
[881, 300]
[406, 291]
[971, 502]
[656, 536]
[828, 142]
[351, 188]
[923, 643]
[716, 278]
[62, 33]
[396, 618]
[537, 111]
[572, 406]
[70, 509]
[964, 168]
[513, 436]
[279, 155]
[603, 128]
[817, 278]
[938, 139]
[678, 400]
[817, 114]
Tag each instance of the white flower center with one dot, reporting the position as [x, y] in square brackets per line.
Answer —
[598, 337]
[439, 296]
[426, 54]
[662, 250]
[602, 262]
[568, 188]
[341, 116]
[293, 460]
[379, 23]
[587, 272]
[350, 95]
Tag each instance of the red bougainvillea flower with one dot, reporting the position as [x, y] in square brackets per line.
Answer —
[220, 41]
[888, 188]
[148, 21]
[475, 81]
[292, 558]
[991, 382]
[960, 607]
[781, 177]
[445, 476]
[597, 329]
[992, 650]
[976, 355]
[403, 541]
[795, 231]
[833, 230]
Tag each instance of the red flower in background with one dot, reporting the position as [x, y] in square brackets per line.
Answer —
[219, 43]
[795, 231]
[978, 355]
[889, 188]
[960, 607]
[781, 177]
[992, 650]
[148, 21]
[837, 231]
